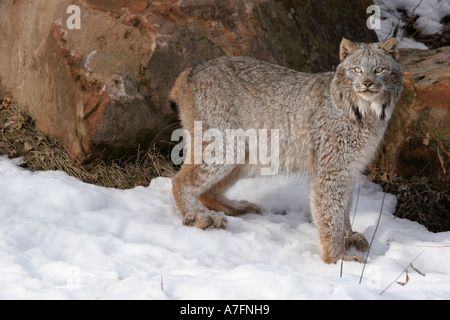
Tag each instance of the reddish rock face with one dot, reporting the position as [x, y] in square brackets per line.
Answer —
[103, 89]
[418, 137]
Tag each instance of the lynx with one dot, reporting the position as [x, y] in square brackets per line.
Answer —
[330, 125]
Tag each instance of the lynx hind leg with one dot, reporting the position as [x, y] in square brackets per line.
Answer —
[188, 185]
[214, 199]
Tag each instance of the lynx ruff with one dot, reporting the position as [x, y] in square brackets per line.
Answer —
[329, 126]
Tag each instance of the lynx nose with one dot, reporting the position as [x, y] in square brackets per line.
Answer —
[368, 83]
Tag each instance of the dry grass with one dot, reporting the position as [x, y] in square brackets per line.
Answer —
[420, 199]
[20, 138]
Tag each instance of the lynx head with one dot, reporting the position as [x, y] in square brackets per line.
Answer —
[369, 77]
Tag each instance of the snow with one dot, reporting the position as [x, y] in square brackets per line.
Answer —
[430, 13]
[61, 238]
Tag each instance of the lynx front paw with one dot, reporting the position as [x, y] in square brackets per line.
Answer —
[358, 241]
[355, 258]
[204, 220]
[345, 257]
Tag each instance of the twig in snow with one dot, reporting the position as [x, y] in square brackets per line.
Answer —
[376, 228]
[444, 246]
[404, 270]
[406, 280]
[356, 205]
[417, 270]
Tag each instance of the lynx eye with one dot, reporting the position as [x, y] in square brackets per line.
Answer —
[379, 70]
[357, 70]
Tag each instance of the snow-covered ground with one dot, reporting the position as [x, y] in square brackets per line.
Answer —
[63, 239]
[430, 13]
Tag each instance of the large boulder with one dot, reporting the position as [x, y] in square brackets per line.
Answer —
[418, 137]
[103, 89]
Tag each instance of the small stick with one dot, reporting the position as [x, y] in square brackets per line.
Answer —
[373, 236]
[356, 205]
[404, 270]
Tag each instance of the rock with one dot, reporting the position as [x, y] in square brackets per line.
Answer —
[103, 89]
[83, 86]
[418, 137]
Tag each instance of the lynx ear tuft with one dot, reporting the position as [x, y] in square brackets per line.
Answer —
[391, 46]
[347, 47]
